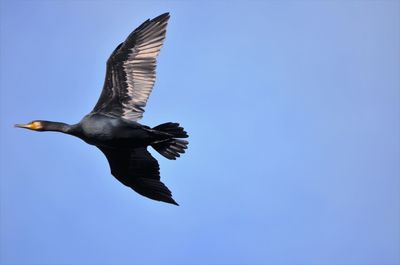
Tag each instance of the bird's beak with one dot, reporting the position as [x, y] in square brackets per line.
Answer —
[36, 126]
[27, 126]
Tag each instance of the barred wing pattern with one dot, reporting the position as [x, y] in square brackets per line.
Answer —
[131, 71]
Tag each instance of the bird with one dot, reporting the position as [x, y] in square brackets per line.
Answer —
[112, 126]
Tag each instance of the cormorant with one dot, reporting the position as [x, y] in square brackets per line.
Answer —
[112, 125]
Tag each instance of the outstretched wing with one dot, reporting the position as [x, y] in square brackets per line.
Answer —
[138, 169]
[131, 74]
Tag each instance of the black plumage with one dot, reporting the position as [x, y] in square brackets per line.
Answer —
[112, 125]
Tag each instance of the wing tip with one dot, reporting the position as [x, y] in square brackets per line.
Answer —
[172, 201]
[161, 18]
[167, 199]
[164, 15]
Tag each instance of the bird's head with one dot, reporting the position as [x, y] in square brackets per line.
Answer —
[33, 125]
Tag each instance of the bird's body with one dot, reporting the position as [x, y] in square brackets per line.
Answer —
[112, 125]
[107, 131]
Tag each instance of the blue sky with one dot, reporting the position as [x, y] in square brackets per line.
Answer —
[293, 111]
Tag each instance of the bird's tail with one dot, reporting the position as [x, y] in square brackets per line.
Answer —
[171, 148]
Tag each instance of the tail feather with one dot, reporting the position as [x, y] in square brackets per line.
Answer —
[172, 128]
[171, 148]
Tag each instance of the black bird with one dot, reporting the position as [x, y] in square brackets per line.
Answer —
[112, 125]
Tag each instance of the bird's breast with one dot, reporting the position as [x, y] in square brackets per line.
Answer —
[98, 129]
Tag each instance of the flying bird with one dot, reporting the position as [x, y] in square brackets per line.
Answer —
[112, 125]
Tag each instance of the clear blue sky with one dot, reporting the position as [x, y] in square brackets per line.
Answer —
[293, 110]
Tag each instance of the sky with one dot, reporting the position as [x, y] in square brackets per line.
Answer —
[293, 111]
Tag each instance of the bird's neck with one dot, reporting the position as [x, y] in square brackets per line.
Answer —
[58, 127]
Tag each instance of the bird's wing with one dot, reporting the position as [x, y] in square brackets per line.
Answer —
[138, 169]
[131, 74]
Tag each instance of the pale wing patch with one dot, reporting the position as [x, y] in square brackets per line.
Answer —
[140, 70]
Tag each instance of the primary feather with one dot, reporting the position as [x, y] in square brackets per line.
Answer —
[131, 71]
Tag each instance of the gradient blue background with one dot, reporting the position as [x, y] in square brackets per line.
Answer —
[293, 110]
